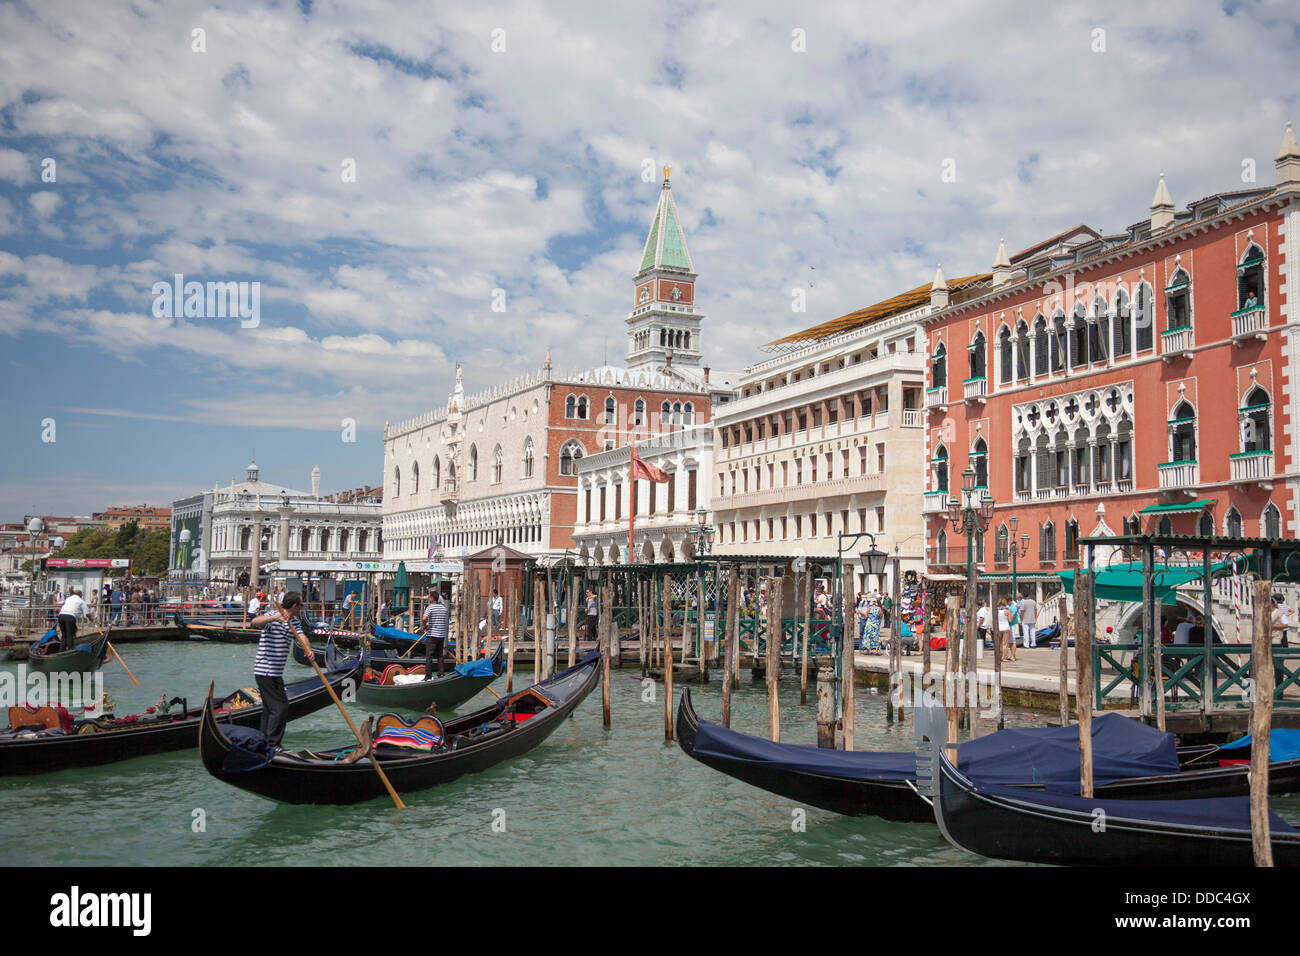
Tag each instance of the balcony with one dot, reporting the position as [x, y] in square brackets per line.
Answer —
[937, 397]
[941, 558]
[1179, 475]
[1070, 555]
[976, 389]
[913, 418]
[1251, 323]
[1046, 557]
[449, 494]
[1177, 342]
[858, 485]
[934, 502]
[1251, 466]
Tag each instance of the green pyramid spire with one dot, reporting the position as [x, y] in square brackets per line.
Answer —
[665, 246]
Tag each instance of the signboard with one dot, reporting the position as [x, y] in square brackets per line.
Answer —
[87, 562]
[389, 567]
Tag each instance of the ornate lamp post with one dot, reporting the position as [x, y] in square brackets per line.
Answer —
[34, 528]
[874, 561]
[1017, 552]
[970, 517]
[182, 558]
[702, 534]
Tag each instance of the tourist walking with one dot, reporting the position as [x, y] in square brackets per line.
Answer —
[1029, 620]
[983, 622]
[1006, 644]
[279, 630]
[871, 634]
[436, 618]
[593, 614]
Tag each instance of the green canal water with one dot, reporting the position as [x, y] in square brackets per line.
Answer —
[587, 796]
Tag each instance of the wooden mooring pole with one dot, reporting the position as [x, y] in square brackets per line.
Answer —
[576, 605]
[952, 667]
[1083, 675]
[512, 624]
[668, 657]
[774, 611]
[602, 636]
[826, 708]
[849, 666]
[539, 624]
[1066, 625]
[728, 653]
[803, 624]
[1261, 717]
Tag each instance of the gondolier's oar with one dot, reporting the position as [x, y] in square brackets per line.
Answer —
[118, 656]
[374, 760]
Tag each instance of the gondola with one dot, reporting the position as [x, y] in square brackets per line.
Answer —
[1012, 823]
[508, 728]
[88, 742]
[1132, 761]
[221, 633]
[446, 692]
[83, 658]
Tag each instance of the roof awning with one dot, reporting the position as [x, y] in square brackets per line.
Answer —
[1177, 507]
[1123, 582]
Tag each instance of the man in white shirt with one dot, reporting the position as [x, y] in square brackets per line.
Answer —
[255, 605]
[73, 609]
[983, 620]
[498, 608]
[1183, 633]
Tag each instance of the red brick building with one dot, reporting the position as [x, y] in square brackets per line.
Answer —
[1101, 379]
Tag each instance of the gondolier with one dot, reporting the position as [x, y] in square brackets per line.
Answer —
[279, 630]
[73, 609]
[436, 617]
[593, 614]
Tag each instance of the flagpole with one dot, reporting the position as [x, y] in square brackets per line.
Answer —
[631, 500]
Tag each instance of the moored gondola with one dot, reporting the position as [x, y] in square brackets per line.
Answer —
[448, 691]
[508, 728]
[80, 659]
[1013, 823]
[219, 632]
[1133, 761]
[89, 742]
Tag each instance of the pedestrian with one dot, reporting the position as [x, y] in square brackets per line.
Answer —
[1281, 619]
[255, 605]
[279, 630]
[871, 634]
[385, 614]
[436, 618]
[498, 608]
[1029, 620]
[983, 622]
[861, 607]
[593, 613]
[1006, 644]
[117, 599]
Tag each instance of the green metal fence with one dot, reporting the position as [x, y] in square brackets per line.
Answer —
[1187, 670]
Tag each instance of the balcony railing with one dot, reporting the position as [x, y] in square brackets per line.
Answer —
[1070, 555]
[939, 557]
[1177, 340]
[1179, 474]
[936, 397]
[449, 493]
[913, 418]
[1250, 323]
[934, 502]
[1251, 465]
[1123, 485]
[976, 388]
[1046, 557]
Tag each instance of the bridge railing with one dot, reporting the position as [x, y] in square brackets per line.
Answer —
[1193, 678]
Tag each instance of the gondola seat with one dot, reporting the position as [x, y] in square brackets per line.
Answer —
[426, 733]
[48, 716]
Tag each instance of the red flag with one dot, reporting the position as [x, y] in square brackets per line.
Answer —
[642, 470]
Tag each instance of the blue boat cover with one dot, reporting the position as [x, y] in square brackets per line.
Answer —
[1121, 747]
[1048, 756]
[395, 633]
[1283, 744]
[49, 635]
[249, 749]
[479, 668]
[1222, 813]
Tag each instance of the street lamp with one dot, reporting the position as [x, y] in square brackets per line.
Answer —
[702, 534]
[1017, 552]
[970, 517]
[34, 527]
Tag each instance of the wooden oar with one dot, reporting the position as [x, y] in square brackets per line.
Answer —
[374, 760]
[118, 656]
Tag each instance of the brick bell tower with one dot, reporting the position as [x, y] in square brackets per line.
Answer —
[664, 320]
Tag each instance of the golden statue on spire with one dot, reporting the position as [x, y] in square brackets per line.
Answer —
[666, 169]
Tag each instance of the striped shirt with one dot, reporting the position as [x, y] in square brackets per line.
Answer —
[273, 648]
[435, 621]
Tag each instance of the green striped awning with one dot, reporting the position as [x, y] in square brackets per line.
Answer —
[1177, 507]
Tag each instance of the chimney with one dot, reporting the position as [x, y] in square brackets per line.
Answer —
[938, 290]
[1162, 207]
[1287, 163]
[1001, 265]
[706, 375]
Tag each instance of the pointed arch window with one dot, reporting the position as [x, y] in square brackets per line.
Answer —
[397, 481]
[437, 473]
[1024, 456]
[1079, 337]
[1178, 301]
[1047, 543]
[1205, 526]
[1123, 325]
[976, 358]
[582, 407]
[1144, 318]
[1099, 332]
[451, 476]
[1005, 357]
[528, 458]
[1271, 522]
[939, 367]
[1250, 279]
[611, 411]
[939, 469]
[1166, 526]
[979, 459]
[677, 413]
[1002, 546]
[688, 414]
[571, 407]
[665, 414]
[498, 463]
[638, 412]
[1072, 540]
[1182, 432]
[1042, 345]
[415, 478]
[1060, 342]
[1022, 351]
[570, 455]
[941, 547]
[1233, 523]
[473, 462]
[1255, 430]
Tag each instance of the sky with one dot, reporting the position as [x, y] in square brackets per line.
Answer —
[387, 174]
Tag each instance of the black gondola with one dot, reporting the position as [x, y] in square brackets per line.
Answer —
[100, 741]
[510, 727]
[866, 783]
[1012, 823]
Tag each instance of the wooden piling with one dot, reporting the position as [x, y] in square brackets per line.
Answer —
[1261, 716]
[602, 635]
[1083, 675]
[733, 612]
[576, 607]
[733, 638]
[539, 622]
[826, 708]
[849, 666]
[668, 659]
[802, 614]
[1158, 668]
[952, 666]
[1065, 666]
[774, 612]
[512, 622]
